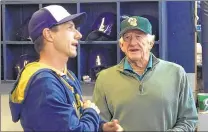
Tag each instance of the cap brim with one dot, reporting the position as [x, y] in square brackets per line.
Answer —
[130, 28]
[94, 35]
[78, 19]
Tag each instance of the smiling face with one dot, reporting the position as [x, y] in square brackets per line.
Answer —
[65, 39]
[136, 45]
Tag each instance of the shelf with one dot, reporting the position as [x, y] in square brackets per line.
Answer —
[18, 42]
[157, 42]
[80, 42]
[98, 42]
[8, 81]
[87, 83]
[82, 82]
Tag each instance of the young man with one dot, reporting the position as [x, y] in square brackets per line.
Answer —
[47, 97]
[143, 92]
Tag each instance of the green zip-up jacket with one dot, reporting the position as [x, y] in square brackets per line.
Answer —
[161, 101]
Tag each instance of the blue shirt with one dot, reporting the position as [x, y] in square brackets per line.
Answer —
[128, 67]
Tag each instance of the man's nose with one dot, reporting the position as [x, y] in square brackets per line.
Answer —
[133, 41]
[78, 35]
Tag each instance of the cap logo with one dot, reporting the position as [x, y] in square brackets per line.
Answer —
[132, 21]
[102, 26]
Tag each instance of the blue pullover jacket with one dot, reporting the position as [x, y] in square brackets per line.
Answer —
[43, 99]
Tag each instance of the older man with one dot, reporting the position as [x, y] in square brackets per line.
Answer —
[46, 96]
[143, 92]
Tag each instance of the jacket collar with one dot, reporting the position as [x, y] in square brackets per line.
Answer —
[120, 66]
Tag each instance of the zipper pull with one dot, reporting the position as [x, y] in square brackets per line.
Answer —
[141, 90]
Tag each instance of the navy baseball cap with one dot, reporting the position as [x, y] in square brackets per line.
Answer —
[50, 16]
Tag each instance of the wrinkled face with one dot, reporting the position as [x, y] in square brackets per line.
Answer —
[136, 45]
[65, 39]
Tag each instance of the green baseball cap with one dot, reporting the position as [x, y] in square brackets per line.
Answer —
[136, 22]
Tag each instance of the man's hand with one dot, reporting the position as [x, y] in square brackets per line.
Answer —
[112, 126]
[89, 104]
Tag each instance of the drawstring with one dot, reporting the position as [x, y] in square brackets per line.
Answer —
[78, 103]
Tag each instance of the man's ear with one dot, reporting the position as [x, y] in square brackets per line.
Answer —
[151, 45]
[47, 34]
[121, 42]
[151, 42]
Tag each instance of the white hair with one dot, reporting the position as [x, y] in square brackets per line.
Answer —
[151, 38]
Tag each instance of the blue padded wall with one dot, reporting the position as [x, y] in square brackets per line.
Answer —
[181, 29]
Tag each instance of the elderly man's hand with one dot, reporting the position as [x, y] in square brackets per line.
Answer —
[112, 127]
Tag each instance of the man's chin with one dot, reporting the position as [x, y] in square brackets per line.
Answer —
[72, 55]
[134, 58]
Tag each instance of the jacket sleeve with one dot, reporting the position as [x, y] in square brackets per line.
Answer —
[53, 113]
[99, 99]
[187, 113]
